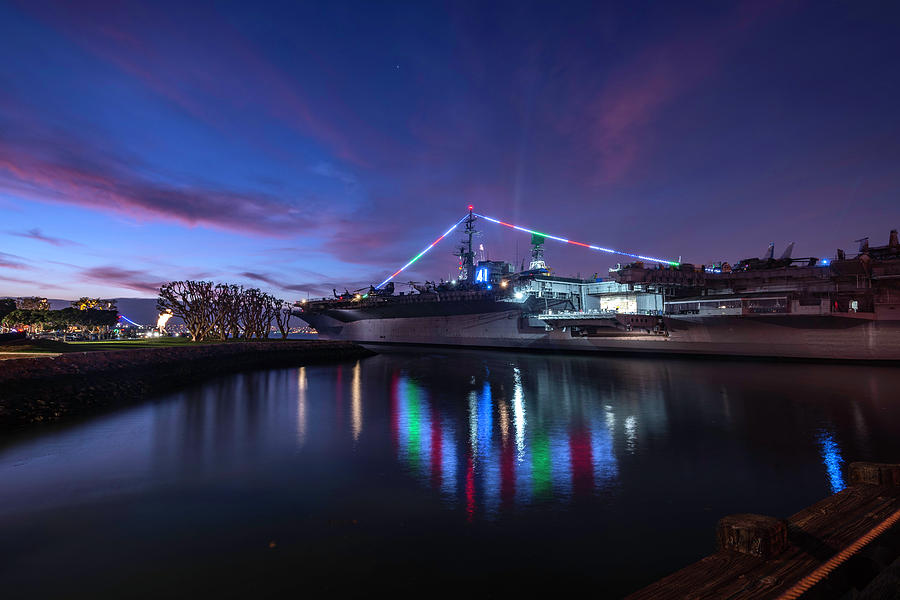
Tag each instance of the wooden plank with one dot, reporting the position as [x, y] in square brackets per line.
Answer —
[814, 535]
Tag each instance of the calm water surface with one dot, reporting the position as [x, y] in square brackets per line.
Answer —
[429, 472]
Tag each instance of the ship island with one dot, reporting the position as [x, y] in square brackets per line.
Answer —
[844, 308]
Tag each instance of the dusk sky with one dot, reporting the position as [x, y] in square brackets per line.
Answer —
[300, 146]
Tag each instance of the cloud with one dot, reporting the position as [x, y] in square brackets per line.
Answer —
[615, 121]
[22, 281]
[263, 277]
[35, 234]
[45, 170]
[208, 76]
[11, 261]
[320, 287]
[329, 170]
[139, 281]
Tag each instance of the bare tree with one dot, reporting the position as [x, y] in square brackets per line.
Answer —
[224, 309]
[283, 318]
[253, 312]
[271, 307]
[192, 301]
[228, 310]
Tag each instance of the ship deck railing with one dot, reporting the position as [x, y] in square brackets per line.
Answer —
[586, 314]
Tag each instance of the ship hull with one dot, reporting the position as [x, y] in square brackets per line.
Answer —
[823, 337]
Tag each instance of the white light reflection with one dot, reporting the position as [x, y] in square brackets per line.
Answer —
[356, 402]
[610, 418]
[473, 425]
[301, 407]
[519, 414]
[630, 433]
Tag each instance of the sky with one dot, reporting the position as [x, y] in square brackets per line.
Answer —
[303, 146]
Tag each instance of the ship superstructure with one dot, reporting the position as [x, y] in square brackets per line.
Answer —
[840, 308]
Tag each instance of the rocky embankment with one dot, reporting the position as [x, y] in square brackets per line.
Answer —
[37, 390]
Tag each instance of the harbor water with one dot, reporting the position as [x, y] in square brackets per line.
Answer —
[429, 472]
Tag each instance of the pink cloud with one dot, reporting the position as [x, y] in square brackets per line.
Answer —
[616, 122]
[51, 173]
[139, 281]
[35, 234]
[11, 261]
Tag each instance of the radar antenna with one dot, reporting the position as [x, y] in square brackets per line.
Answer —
[537, 253]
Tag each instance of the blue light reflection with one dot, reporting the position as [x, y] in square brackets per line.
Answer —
[831, 458]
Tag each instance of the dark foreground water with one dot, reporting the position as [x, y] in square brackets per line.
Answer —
[428, 473]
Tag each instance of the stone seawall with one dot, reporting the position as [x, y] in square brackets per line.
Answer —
[36, 390]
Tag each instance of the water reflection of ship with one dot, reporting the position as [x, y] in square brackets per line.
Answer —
[491, 462]
[504, 452]
[511, 432]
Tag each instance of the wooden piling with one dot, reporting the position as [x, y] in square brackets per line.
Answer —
[756, 535]
[874, 474]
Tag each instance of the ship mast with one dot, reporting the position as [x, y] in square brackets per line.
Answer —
[466, 254]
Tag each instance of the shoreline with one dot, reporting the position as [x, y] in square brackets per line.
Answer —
[49, 389]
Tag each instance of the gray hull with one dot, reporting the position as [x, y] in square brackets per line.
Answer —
[845, 337]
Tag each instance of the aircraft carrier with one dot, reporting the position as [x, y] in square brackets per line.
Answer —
[841, 308]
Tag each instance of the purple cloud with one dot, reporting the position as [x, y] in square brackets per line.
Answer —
[35, 234]
[614, 121]
[14, 280]
[139, 281]
[320, 287]
[11, 261]
[53, 171]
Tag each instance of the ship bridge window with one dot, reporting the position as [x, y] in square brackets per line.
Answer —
[765, 305]
[682, 308]
[720, 304]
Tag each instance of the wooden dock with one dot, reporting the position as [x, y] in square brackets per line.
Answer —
[827, 550]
